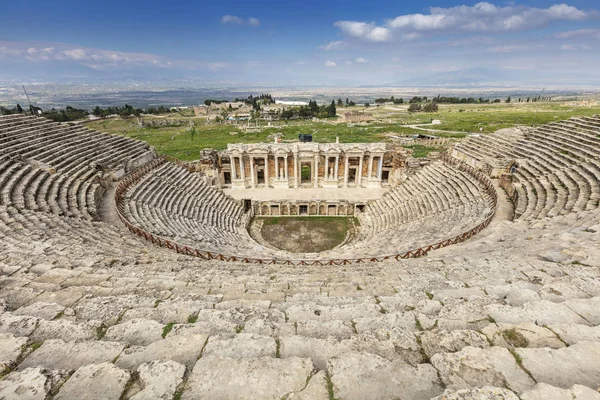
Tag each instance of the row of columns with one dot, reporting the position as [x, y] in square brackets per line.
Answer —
[330, 173]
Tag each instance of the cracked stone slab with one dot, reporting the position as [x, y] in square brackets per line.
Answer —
[367, 376]
[587, 308]
[576, 333]
[346, 312]
[451, 341]
[542, 312]
[17, 324]
[321, 350]
[404, 321]
[475, 367]
[561, 291]
[42, 310]
[167, 311]
[135, 332]
[483, 393]
[159, 380]
[263, 378]
[108, 309]
[30, 384]
[242, 345]
[577, 364]
[58, 354]
[543, 391]
[64, 297]
[11, 348]
[315, 390]
[96, 381]
[523, 335]
[182, 349]
[337, 328]
[66, 330]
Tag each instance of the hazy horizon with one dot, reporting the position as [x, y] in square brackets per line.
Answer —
[291, 44]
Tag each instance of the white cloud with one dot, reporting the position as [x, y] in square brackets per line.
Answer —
[79, 54]
[507, 48]
[412, 36]
[363, 30]
[330, 64]
[482, 17]
[574, 47]
[231, 19]
[395, 59]
[580, 33]
[338, 44]
[93, 58]
[486, 17]
[301, 62]
[348, 62]
[235, 20]
[217, 66]
[360, 60]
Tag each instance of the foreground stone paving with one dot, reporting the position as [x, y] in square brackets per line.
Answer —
[159, 325]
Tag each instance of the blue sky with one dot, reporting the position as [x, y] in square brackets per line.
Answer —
[301, 42]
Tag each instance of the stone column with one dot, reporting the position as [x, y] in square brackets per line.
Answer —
[346, 170]
[285, 170]
[360, 166]
[380, 168]
[370, 167]
[266, 171]
[233, 169]
[316, 183]
[296, 170]
[335, 172]
[252, 174]
[278, 172]
[242, 170]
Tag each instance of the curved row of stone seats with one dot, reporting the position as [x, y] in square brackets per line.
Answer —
[410, 216]
[86, 320]
[175, 204]
[558, 166]
[57, 168]
[27, 186]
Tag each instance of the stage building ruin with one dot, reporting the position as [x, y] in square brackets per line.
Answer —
[298, 166]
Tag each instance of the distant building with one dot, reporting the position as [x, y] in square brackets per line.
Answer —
[291, 103]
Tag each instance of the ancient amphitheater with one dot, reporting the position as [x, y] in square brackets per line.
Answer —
[126, 275]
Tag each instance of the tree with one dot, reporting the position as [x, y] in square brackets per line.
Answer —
[430, 107]
[19, 108]
[331, 110]
[347, 103]
[508, 99]
[367, 105]
[339, 103]
[414, 107]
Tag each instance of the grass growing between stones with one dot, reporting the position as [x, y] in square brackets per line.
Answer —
[192, 319]
[514, 338]
[330, 391]
[167, 328]
[305, 234]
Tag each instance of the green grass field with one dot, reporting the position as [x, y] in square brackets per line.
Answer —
[456, 121]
